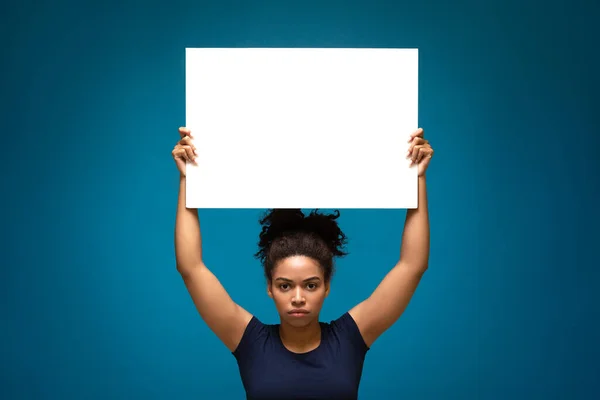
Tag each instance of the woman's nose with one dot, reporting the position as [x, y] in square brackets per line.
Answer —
[298, 296]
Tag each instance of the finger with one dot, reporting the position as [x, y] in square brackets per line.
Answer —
[415, 153]
[417, 133]
[416, 142]
[415, 150]
[180, 152]
[189, 152]
[187, 141]
[420, 152]
[183, 132]
[423, 151]
[427, 153]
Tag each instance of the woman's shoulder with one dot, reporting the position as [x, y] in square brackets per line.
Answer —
[344, 321]
[256, 331]
[344, 328]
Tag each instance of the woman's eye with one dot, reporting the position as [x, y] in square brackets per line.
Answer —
[284, 286]
[312, 286]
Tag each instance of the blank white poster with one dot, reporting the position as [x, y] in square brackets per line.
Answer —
[301, 127]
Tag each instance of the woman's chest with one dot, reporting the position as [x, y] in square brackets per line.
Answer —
[318, 376]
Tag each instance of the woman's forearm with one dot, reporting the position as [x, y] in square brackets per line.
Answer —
[188, 242]
[415, 238]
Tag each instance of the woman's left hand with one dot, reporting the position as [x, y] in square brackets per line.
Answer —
[419, 151]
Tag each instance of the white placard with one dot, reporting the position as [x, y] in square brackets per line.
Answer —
[301, 127]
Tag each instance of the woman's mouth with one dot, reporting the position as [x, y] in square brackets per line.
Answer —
[298, 313]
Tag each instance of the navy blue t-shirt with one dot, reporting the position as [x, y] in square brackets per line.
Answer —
[331, 371]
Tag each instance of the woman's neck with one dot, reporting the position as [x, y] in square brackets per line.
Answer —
[300, 339]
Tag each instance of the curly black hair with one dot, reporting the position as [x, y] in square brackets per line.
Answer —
[288, 232]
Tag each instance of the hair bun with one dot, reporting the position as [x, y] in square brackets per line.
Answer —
[325, 226]
[279, 222]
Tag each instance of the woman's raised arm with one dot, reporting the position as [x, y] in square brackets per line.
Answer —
[386, 304]
[222, 315]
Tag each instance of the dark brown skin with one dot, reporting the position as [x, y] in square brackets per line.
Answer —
[298, 281]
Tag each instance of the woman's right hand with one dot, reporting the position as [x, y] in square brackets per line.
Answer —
[184, 150]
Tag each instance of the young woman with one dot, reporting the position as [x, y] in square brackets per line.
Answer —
[301, 357]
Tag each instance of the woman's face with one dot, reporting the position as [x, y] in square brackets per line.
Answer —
[298, 289]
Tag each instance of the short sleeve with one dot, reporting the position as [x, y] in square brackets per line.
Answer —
[346, 327]
[254, 332]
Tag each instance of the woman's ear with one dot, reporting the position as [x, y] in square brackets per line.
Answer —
[269, 292]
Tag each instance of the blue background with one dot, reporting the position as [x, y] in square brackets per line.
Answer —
[92, 96]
